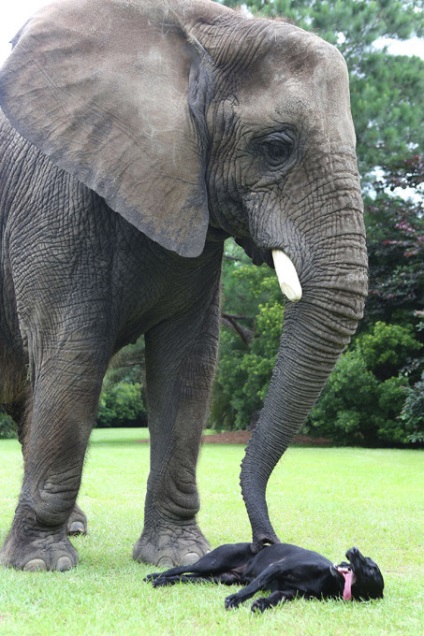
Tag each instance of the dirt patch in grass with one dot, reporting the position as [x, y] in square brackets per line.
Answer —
[242, 437]
[228, 437]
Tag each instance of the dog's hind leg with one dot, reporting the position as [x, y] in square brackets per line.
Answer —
[226, 578]
[216, 566]
[262, 582]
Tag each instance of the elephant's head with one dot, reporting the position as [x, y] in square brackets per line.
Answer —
[185, 115]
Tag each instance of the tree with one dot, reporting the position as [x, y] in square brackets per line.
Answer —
[252, 297]
[396, 244]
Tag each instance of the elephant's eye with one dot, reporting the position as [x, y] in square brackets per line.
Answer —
[277, 149]
[277, 152]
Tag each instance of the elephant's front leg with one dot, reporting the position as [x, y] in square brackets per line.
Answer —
[77, 522]
[180, 359]
[66, 386]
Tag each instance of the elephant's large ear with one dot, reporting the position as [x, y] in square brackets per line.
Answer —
[101, 87]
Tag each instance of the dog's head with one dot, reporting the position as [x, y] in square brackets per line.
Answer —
[366, 581]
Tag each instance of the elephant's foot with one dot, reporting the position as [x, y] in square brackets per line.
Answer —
[77, 522]
[171, 545]
[43, 551]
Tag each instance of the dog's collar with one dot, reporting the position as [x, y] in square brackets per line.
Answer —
[349, 580]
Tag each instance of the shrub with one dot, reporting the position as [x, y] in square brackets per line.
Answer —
[413, 413]
[244, 371]
[386, 349]
[368, 389]
[7, 427]
[121, 404]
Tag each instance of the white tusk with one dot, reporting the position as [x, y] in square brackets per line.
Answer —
[287, 276]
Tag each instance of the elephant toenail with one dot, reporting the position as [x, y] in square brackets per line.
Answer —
[63, 564]
[76, 528]
[35, 565]
[190, 558]
[165, 562]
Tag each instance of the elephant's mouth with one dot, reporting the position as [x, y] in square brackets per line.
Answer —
[287, 276]
[285, 270]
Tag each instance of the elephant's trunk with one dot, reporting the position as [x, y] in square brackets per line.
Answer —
[316, 330]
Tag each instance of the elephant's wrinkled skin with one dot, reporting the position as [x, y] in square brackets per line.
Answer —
[135, 138]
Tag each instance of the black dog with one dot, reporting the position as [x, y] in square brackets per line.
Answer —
[286, 571]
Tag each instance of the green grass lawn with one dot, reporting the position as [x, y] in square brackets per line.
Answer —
[326, 499]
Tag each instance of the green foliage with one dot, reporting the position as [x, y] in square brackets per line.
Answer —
[367, 392]
[7, 426]
[245, 287]
[122, 400]
[395, 229]
[384, 93]
[387, 349]
[251, 294]
[356, 408]
[121, 405]
[413, 413]
[256, 364]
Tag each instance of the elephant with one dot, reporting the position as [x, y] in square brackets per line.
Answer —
[136, 138]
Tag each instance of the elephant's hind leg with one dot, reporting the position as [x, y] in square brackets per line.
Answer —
[77, 522]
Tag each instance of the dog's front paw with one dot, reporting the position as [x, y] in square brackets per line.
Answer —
[158, 579]
[162, 579]
[232, 601]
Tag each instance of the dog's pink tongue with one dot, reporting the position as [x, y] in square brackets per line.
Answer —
[347, 591]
